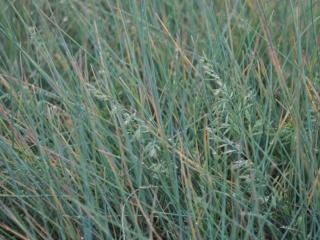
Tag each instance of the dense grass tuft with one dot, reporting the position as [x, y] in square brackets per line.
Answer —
[147, 119]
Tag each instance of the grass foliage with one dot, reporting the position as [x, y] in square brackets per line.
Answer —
[147, 119]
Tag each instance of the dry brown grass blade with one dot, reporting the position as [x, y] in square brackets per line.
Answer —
[177, 46]
[312, 95]
[13, 232]
[271, 48]
[253, 56]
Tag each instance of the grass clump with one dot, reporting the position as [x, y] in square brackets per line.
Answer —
[159, 119]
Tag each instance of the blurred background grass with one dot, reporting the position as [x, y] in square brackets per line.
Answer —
[173, 119]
